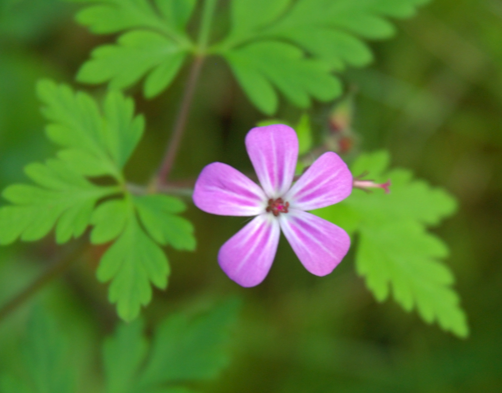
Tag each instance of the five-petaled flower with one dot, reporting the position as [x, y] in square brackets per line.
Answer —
[278, 205]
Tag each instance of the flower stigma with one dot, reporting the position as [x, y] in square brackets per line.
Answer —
[276, 206]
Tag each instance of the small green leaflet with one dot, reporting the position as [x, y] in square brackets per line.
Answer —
[395, 251]
[154, 42]
[97, 142]
[291, 46]
[182, 350]
[45, 360]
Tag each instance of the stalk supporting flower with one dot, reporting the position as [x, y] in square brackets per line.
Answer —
[278, 205]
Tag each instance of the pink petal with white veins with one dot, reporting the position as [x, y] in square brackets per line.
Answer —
[326, 182]
[319, 244]
[221, 189]
[247, 256]
[273, 150]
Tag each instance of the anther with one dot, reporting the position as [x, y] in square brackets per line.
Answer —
[277, 206]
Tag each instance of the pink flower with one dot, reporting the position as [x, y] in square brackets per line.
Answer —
[278, 205]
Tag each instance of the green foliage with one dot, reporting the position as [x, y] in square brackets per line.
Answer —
[135, 259]
[61, 196]
[45, 360]
[269, 40]
[262, 65]
[153, 44]
[97, 143]
[182, 350]
[29, 20]
[395, 251]
[131, 263]
[274, 44]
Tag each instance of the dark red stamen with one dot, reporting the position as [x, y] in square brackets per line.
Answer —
[277, 206]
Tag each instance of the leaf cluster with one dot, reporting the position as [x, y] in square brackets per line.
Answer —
[96, 143]
[183, 350]
[290, 46]
[395, 251]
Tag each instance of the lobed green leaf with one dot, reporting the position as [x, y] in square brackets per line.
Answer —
[395, 252]
[137, 53]
[96, 143]
[329, 31]
[164, 227]
[135, 261]
[132, 262]
[154, 42]
[260, 65]
[63, 199]
[114, 16]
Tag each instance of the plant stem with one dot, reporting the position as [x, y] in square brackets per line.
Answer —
[205, 28]
[179, 125]
[54, 271]
[182, 118]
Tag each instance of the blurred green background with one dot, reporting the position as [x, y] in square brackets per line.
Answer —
[433, 97]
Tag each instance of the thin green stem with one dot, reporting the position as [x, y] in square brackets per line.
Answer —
[186, 102]
[205, 28]
[54, 271]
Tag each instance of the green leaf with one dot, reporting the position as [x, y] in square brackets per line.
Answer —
[109, 220]
[123, 354]
[10, 384]
[96, 143]
[395, 251]
[176, 12]
[330, 32]
[137, 53]
[44, 355]
[154, 42]
[122, 130]
[61, 198]
[135, 261]
[132, 262]
[84, 163]
[190, 350]
[183, 350]
[403, 257]
[45, 359]
[155, 212]
[284, 66]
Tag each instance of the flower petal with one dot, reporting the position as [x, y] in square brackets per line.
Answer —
[248, 255]
[319, 244]
[273, 150]
[326, 182]
[221, 189]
